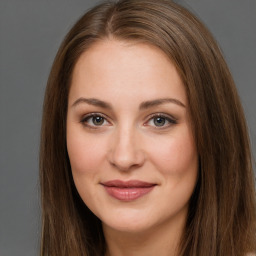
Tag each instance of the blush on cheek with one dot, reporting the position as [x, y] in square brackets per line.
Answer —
[176, 157]
[82, 163]
[84, 156]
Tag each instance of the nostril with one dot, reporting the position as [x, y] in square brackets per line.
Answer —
[125, 160]
[125, 151]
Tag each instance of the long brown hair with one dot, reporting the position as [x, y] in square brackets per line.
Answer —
[222, 212]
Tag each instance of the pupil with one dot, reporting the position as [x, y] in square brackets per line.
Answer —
[159, 121]
[98, 120]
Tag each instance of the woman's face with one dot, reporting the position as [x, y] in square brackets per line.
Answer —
[129, 140]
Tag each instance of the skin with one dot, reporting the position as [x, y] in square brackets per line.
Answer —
[128, 144]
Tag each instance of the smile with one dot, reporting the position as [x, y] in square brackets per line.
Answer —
[127, 190]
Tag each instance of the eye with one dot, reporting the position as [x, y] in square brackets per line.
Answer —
[97, 120]
[94, 120]
[160, 121]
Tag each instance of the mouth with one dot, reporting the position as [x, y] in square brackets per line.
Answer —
[127, 190]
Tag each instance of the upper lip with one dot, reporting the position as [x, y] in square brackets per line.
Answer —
[127, 184]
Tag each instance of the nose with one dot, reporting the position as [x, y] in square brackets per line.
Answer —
[126, 151]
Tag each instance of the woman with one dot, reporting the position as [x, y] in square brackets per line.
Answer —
[144, 146]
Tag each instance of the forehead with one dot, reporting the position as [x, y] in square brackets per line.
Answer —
[113, 67]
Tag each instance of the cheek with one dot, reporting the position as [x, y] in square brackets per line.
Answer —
[85, 153]
[175, 156]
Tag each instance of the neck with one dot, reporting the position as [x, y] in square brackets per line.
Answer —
[160, 240]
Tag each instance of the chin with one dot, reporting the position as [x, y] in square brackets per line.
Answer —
[128, 227]
[125, 222]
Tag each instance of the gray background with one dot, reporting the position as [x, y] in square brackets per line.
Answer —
[30, 33]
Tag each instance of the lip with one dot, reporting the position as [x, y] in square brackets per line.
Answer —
[127, 190]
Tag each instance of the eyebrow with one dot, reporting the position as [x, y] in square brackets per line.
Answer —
[92, 101]
[143, 105]
[157, 102]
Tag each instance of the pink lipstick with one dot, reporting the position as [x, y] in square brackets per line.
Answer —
[127, 190]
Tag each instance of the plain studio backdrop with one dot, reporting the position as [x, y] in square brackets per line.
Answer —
[30, 34]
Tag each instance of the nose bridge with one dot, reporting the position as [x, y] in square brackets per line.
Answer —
[126, 150]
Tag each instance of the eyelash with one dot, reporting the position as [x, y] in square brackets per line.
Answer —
[170, 120]
[86, 118]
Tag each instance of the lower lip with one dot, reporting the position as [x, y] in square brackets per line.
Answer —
[128, 194]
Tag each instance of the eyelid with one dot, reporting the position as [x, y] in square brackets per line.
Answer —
[169, 118]
[91, 115]
[172, 120]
